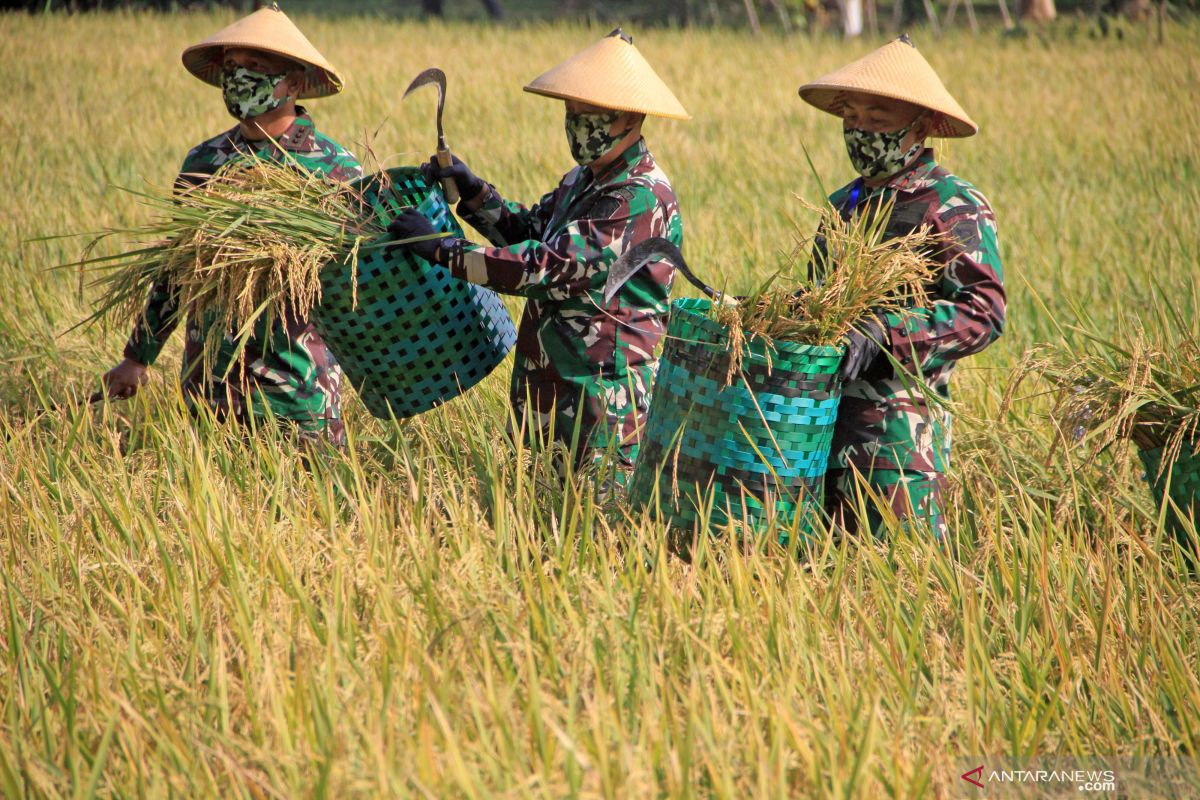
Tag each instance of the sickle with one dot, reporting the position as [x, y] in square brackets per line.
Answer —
[643, 253]
[437, 78]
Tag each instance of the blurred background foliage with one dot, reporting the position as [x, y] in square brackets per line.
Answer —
[839, 17]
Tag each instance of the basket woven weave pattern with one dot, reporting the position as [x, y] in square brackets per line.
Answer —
[1184, 488]
[759, 446]
[417, 336]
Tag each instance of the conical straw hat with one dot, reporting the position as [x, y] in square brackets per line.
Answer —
[611, 74]
[899, 71]
[267, 29]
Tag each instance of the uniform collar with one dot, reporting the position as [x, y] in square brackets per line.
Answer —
[623, 164]
[916, 176]
[300, 137]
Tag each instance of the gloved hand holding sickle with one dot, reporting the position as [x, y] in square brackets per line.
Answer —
[434, 76]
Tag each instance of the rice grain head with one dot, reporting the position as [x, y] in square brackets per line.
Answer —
[240, 251]
[832, 280]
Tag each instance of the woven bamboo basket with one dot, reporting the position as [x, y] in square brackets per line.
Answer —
[1180, 483]
[753, 451]
[417, 337]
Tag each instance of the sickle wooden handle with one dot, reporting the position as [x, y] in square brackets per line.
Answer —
[449, 187]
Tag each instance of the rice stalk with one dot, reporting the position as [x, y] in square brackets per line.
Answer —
[1143, 390]
[239, 252]
[832, 281]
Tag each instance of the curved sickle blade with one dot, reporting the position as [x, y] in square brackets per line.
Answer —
[436, 77]
[643, 253]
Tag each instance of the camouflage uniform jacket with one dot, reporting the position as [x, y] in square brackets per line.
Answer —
[574, 353]
[884, 421]
[288, 369]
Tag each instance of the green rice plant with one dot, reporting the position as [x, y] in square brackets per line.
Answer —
[245, 246]
[856, 271]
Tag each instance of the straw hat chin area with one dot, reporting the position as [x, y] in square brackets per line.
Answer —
[899, 71]
[269, 30]
[611, 74]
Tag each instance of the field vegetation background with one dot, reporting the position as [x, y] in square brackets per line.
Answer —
[431, 613]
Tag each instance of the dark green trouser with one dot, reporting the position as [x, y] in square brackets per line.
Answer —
[913, 498]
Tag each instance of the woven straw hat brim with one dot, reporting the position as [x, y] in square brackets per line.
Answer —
[271, 31]
[610, 74]
[898, 71]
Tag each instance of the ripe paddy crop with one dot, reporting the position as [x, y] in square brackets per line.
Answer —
[432, 613]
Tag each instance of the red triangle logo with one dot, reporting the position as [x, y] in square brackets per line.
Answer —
[977, 772]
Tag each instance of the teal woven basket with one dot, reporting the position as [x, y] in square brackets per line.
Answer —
[1183, 489]
[417, 336]
[752, 451]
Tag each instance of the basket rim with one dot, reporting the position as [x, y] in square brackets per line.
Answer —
[405, 171]
[693, 309]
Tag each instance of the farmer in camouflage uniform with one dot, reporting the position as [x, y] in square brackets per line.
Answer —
[581, 363]
[893, 435]
[263, 64]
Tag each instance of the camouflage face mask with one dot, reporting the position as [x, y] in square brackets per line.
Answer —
[250, 94]
[877, 155]
[589, 137]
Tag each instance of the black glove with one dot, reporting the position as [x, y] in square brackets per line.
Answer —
[410, 224]
[469, 186]
[864, 344]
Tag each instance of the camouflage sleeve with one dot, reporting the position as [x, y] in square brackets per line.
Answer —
[346, 171]
[154, 327]
[341, 165]
[968, 314]
[504, 222]
[161, 315]
[571, 262]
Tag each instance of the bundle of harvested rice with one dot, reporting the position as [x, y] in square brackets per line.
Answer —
[247, 246]
[1106, 392]
[1144, 391]
[866, 273]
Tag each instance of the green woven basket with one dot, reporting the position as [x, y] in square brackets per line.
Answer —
[417, 336]
[1181, 483]
[753, 451]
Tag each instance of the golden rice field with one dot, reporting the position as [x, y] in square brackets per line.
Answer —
[430, 614]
